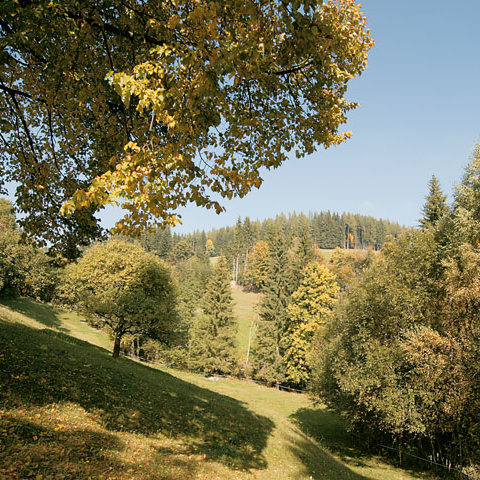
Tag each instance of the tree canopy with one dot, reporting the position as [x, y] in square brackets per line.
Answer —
[157, 104]
[126, 288]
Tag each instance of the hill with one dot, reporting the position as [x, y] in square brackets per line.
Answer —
[70, 411]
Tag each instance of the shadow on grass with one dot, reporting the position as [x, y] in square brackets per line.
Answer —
[319, 464]
[45, 314]
[46, 452]
[38, 369]
[329, 430]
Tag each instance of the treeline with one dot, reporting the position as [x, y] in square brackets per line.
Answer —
[326, 230]
[299, 290]
[160, 298]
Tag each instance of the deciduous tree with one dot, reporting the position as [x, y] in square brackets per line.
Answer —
[124, 287]
[311, 305]
[161, 104]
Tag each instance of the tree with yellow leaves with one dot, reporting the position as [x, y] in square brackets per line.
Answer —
[308, 311]
[157, 104]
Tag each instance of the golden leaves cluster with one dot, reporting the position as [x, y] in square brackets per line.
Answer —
[208, 93]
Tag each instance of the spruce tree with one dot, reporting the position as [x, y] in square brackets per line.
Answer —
[273, 316]
[213, 336]
[435, 206]
[303, 255]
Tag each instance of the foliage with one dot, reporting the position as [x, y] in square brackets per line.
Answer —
[213, 335]
[7, 216]
[126, 288]
[302, 253]
[24, 270]
[360, 363]
[348, 265]
[436, 205]
[257, 269]
[269, 345]
[182, 251]
[145, 102]
[308, 311]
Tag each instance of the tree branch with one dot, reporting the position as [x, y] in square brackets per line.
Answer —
[122, 32]
[14, 91]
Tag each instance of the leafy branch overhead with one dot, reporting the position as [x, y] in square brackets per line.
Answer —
[157, 104]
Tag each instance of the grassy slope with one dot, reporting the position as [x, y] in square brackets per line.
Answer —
[244, 309]
[70, 411]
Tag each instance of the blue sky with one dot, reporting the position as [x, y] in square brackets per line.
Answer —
[419, 115]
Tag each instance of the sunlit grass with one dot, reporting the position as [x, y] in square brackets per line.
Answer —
[68, 410]
[245, 312]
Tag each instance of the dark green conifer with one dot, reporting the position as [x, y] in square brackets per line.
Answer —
[213, 336]
[303, 254]
[273, 316]
[435, 206]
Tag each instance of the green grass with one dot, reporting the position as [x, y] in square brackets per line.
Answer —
[245, 311]
[40, 315]
[70, 411]
[327, 253]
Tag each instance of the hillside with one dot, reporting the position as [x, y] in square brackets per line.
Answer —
[245, 312]
[70, 411]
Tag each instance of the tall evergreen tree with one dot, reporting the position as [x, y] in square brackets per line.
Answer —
[273, 321]
[303, 254]
[213, 336]
[435, 206]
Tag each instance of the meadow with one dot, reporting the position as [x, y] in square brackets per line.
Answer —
[69, 410]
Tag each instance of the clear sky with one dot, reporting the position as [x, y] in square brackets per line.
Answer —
[419, 115]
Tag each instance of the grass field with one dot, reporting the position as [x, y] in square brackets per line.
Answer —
[245, 311]
[70, 411]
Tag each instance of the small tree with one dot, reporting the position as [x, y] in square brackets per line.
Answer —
[182, 251]
[209, 248]
[126, 288]
[213, 336]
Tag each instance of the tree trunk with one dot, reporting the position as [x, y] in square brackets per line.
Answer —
[116, 344]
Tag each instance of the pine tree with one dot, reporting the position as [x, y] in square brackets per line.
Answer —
[311, 304]
[435, 207]
[273, 321]
[213, 336]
